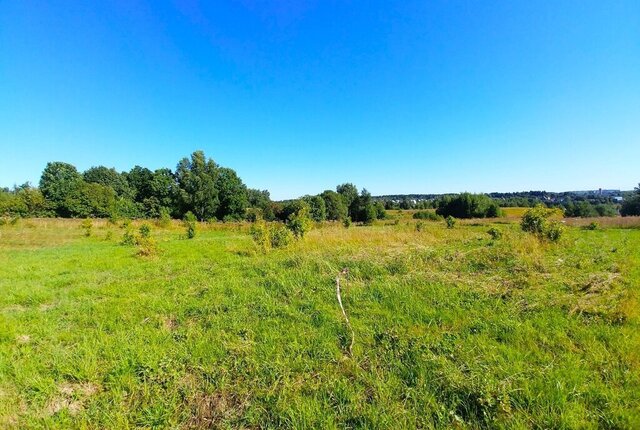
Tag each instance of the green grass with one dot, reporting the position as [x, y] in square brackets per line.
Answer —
[451, 329]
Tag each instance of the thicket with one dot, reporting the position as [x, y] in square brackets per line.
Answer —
[467, 205]
[427, 215]
[631, 205]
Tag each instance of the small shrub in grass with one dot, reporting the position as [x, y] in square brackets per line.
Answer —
[591, 226]
[419, 226]
[299, 222]
[86, 226]
[145, 231]
[129, 237]
[190, 224]
[280, 236]
[147, 247]
[164, 220]
[451, 221]
[126, 224]
[494, 233]
[271, 236]
[537, 221]
[346, 222]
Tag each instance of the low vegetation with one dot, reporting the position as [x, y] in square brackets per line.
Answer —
[452, 328]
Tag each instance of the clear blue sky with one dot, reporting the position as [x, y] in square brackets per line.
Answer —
[298, 96]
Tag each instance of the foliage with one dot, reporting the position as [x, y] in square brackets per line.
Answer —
[427, 215]
[467, 205]
[317, 208]
[58, 182]
[537, 221]
[145, 231]
[86, 226]
[189, 222]
[336, 207]
[591, 226]
[274, 235]
[346, 222]
[232, 195]
[494, 233]
[299, 222]
[450, 221]
[197, 181]
[164, 220]
[631, 205]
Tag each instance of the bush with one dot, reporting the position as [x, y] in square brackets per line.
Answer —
[164, 220]
[451, 221]
[280, 236]
[494, 233]
[427, 215]
[267, 236]
[190, 224]
[591, 226]
[346, 222]
[147, 247]
[419, 226]
[299, 222]
[87, 225]
[129, 237]
[537, 221]
[145, 231]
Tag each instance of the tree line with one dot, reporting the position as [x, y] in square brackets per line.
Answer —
[213, 192]
[198, 185]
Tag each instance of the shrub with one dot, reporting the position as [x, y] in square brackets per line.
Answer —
[267, 236]
[147, 247]
[164, 220]
[427, 215]
[190, 224]
[129, 237]
[494, 233]
[537, 221]
[346, 222]
[591, 226]
[145, 231]
[87, 225]
[451, 221]
[299, 222]
[280, 236]
[419, 226]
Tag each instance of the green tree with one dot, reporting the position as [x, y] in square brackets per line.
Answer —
[317, 208]
[58, 181]
[109, 177]
[349, 194]
[631, 205]
[139, 179]
[196, 179]
[90, 200]
[336, 207]
[232, 195]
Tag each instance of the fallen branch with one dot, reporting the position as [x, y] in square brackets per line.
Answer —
[346, 318]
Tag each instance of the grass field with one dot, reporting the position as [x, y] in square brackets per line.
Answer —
[451, 328]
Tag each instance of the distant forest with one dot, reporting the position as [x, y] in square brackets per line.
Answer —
[210, 192]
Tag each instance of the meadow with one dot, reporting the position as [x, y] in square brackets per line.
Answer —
[452, 328]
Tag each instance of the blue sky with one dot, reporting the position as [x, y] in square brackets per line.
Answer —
[298, 96]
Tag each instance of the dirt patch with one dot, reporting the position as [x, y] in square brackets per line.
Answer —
[23, 339]
[211, 410]
[71, 397]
